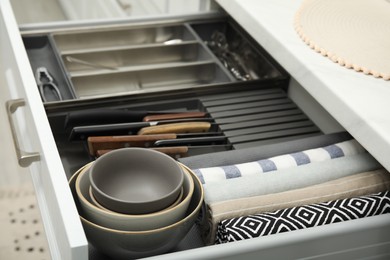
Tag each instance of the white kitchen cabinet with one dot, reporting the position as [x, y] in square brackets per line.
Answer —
[100, 9]
[313, 77]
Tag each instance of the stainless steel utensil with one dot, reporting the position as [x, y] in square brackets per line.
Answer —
[90, 64]
[228, 57]
[46, 81]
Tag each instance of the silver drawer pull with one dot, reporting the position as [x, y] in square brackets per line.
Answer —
[24, 158]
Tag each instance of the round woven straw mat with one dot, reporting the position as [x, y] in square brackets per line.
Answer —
[353, 33]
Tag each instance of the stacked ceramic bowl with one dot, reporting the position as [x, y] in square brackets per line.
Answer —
[136, 202]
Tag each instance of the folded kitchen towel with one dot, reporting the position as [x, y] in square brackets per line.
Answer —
[307, 216]
[264, 151]
[360, 184]
[288, 179]
[215, 174]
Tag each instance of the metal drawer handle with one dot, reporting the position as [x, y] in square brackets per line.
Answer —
[24, 158]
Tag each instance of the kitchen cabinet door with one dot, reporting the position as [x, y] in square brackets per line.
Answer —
[28, 151]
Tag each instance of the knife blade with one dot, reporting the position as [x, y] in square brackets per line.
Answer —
[193, 141]
[111, 116]
[150, 118]
[80, 133]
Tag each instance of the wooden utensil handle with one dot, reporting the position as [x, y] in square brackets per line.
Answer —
[187, 127]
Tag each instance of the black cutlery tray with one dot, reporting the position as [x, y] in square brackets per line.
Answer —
[173, 69]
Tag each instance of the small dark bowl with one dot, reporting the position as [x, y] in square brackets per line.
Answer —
[136, 180]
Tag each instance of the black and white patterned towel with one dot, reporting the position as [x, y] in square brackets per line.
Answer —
[214, 174]
[296, 218]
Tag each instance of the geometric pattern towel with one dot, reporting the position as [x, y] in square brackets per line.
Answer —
[296, 218]
[214, 174]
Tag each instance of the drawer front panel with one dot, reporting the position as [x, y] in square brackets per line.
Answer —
[30, 148]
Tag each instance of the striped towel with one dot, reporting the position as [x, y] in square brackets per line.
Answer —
[214, 174]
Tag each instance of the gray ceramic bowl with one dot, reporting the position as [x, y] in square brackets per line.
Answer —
[127, 222]
[125, 244]
[136, 180]
[96, 203]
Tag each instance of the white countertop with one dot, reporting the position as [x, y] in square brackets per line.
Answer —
[360, 103]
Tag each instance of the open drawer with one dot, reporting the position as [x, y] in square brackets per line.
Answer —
[59, 158]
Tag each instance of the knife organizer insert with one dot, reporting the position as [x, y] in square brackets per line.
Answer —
[242, 116]
[104, 62]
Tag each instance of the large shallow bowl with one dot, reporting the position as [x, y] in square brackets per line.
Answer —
[126, 244]
[127, 222]
[136, 180]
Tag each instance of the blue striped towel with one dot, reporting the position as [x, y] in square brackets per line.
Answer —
[213, 174]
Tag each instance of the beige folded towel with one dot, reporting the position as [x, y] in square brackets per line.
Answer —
[347, 187]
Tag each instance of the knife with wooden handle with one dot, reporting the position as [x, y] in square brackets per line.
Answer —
[150, 118]
[182, 151]
[187, 127]
[175, 152]
[112, 116]
[80, 133]
[192, 141]
[96, 143]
